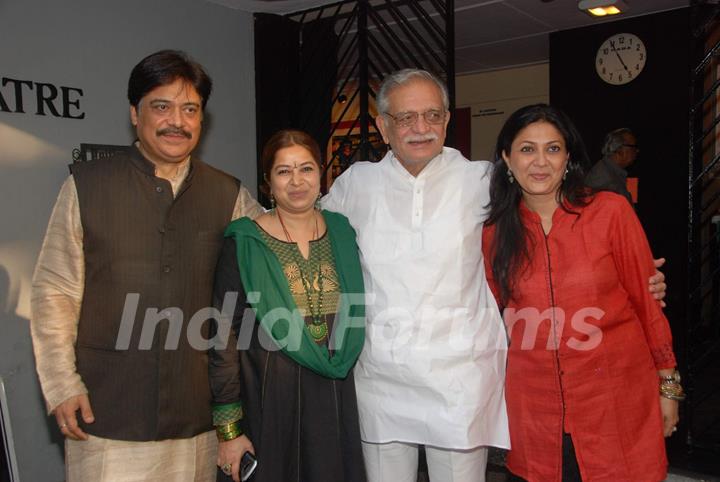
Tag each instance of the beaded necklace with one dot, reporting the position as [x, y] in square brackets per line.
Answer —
[318, 328]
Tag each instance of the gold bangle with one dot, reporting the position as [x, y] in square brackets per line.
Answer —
[672, 391]
[674, 377]
[227, 426]
[228, 431]
[227, 437]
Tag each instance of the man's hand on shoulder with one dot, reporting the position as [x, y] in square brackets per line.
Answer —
[657, 282]
[66, 416]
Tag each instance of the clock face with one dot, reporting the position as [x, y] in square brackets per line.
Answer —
[620, 59]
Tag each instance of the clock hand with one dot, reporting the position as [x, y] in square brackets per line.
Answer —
[612, 44]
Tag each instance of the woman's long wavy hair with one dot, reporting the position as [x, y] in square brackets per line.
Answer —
[510, 250]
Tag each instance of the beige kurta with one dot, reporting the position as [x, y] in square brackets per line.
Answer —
[103, 460]
[57, 293]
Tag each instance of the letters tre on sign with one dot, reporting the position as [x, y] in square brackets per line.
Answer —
[19, 96]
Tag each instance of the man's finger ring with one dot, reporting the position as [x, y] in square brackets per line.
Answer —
[63, 425]
[227, 469]
[674, 429]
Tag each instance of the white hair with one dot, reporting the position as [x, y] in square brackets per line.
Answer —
[614, 141]
[402, 77]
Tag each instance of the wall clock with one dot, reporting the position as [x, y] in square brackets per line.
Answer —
[620, 59]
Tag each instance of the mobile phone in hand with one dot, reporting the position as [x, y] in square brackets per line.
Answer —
[247, 466]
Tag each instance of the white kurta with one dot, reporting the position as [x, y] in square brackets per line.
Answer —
[433, 367]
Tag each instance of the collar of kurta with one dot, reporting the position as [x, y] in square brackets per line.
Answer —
[261, 273]
[145, 165]
[561, 212]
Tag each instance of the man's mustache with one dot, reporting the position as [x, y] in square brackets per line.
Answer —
[430, 136]
[173, 131]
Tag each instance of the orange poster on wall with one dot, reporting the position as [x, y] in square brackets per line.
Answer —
[632, 187]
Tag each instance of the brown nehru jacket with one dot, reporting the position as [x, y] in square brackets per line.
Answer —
[138, 239]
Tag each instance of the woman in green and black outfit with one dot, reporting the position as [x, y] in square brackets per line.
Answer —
[285, 392]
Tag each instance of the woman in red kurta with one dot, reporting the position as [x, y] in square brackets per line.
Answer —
[589, 345]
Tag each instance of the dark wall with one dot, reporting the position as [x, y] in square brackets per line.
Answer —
[655, 106]
[277, 60]
[294, 79]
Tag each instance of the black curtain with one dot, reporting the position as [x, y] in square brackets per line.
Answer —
[294, 79]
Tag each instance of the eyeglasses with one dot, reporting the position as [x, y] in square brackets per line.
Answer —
[407, 119]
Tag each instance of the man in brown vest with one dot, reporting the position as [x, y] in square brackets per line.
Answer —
[127, 261]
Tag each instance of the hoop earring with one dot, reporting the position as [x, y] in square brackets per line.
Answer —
[511, 179]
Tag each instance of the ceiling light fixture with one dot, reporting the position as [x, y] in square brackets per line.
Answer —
[601, 8]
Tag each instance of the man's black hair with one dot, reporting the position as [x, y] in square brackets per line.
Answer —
[163, 68]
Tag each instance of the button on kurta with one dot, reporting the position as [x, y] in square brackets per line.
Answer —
[417, 201]
[167, 268]
[158, 189]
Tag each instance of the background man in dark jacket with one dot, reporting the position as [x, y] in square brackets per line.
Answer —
[619, 152]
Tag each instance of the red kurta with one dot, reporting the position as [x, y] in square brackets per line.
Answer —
[599, 382]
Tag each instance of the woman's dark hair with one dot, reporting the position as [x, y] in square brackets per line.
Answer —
[163, 68]
[510, 250]
[287, 138]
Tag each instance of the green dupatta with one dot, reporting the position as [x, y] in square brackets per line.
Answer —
[261, 272]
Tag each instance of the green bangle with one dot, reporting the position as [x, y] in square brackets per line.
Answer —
[225, 413]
